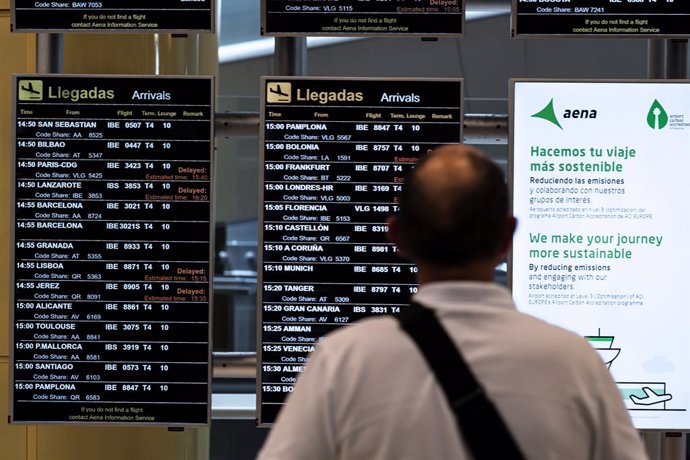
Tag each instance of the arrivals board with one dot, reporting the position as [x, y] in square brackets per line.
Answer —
[598, 177]
[604, 18]
[110, 249]
[363, 17]
[334, 156]
[113, 16]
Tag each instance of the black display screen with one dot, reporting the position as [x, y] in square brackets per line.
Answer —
[362, 17]
[111, 264]
[335, 154]
[113, 16]
[601, 18]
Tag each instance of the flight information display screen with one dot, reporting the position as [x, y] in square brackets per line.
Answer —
[612, 18]
[362, 17]
[113, 16]
[334, 155]
[111, 255]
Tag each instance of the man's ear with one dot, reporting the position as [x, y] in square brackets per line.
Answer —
[508, 231]
[393, 235]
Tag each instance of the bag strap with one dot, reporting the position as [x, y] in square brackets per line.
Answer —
[479, 423]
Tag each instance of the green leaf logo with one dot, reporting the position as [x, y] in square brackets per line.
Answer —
[548, 114]
[657, 118]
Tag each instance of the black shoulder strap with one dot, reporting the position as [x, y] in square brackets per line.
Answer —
[479, 423]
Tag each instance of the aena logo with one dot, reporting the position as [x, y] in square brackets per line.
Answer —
[657, 118]
[549, 114]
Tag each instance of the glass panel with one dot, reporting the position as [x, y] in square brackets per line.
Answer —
[239, 21]
[236, 207]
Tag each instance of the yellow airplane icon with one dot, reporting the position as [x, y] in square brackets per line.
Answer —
[280, 92]
[30, 90]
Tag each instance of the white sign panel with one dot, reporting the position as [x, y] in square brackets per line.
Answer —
[599, 173]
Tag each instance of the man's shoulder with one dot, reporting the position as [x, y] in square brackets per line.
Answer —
[367, 329]
[379, 333]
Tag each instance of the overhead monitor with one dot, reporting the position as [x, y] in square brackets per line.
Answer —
[110, 298]
[430, 18]
[600, 18]
[598, 172]
[334, 155]
[113, 16]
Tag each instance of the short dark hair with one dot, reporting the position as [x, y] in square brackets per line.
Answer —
[459, 221]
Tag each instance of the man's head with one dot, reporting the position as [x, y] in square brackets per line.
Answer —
[454, 210]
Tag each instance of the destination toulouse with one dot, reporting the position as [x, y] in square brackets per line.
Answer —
[601, 17]
[111, 250]
[335, 156]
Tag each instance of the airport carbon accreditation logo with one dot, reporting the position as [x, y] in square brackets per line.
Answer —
[657, 118]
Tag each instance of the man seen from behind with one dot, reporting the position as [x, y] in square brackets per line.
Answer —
[367, 392]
